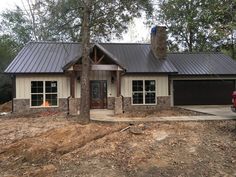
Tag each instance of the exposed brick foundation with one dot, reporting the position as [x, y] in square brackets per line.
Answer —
[110, 103]
[23, 106]
[162, 102]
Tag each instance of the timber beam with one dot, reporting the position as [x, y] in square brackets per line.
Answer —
[98, 67]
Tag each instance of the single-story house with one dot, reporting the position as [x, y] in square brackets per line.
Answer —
[123, 77]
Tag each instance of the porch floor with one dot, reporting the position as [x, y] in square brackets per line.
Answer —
[101, 114]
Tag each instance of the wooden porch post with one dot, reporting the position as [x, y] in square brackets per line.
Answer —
[118, 83]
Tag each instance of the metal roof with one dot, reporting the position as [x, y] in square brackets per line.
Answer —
[51, 57]
[44, 57]
[138, 58]
[214, 63]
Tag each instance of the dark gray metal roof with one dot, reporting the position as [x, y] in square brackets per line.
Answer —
[52, 57]
[44, 57]
[202, 63]
[138, 58]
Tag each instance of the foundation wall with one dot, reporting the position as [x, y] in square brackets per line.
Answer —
[163, 102]
[23, 106]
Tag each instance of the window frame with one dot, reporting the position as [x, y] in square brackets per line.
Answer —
[44, 94]
[144, 92]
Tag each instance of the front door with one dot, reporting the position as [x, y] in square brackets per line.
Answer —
[98, 94]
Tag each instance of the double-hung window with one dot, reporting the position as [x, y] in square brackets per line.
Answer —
[144, 91]
[44, 94]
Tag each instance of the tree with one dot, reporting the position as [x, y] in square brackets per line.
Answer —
[16, 25]
[197, 25]
[85, 89]
[225, 24]
[79, 20]
[91, 15]
[108, 18]
[8, 49]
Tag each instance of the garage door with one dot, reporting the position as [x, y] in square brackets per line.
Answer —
[211, 92]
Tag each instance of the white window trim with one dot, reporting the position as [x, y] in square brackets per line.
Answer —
[144, 104]
[44, 94]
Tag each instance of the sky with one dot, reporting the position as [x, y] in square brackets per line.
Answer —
[137, 32]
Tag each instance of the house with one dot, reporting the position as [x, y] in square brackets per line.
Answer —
[123, 77]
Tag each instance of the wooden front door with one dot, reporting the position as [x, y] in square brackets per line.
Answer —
[98, 94]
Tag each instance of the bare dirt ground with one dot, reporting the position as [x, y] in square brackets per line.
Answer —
[6, 107]
[57, 146]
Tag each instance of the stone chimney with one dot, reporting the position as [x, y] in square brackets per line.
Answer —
[158, 41]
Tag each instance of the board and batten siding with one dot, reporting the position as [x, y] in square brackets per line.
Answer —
[23, 85]
[99, 75]
[161, 84]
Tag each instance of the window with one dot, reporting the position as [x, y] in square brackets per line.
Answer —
[43, 93]
[144, 92]
[36, 93]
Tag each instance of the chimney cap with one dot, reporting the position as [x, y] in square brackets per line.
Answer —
[154, 29]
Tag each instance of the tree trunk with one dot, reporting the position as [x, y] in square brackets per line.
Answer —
[232, 44]
[85, 84]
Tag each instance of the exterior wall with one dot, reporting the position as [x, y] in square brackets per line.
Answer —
[23, 106]
[21, 102]
[110, 103]
[163, 102]
[23, 85]
[162, 92]
[161, 84]
[100, 75]
[23, 91]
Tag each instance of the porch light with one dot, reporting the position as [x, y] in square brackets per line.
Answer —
[112, 79]
[78, 78]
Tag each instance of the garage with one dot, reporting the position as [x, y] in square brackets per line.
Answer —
[203, 92]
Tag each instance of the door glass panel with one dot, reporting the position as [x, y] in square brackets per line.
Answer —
[96, 90]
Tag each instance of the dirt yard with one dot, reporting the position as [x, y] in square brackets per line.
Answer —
[56, 146]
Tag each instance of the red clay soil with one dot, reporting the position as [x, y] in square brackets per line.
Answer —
[56, 146]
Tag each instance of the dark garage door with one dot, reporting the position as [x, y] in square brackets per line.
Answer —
[211, 92]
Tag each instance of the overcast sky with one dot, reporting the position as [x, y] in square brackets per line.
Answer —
[138, 32]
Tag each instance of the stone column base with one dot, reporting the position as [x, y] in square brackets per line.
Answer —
[118, 105]
[74, 104]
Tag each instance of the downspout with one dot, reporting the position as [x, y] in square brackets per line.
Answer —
[68, 105]
[13, 90]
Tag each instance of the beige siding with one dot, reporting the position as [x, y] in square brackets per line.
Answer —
[161, 84]
[100, 75]
[23, 85]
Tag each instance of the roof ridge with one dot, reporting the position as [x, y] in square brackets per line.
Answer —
[206, 52]
[55, 42]
[123, 43]
[71, 42]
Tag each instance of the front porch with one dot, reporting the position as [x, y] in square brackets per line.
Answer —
[105, 82]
